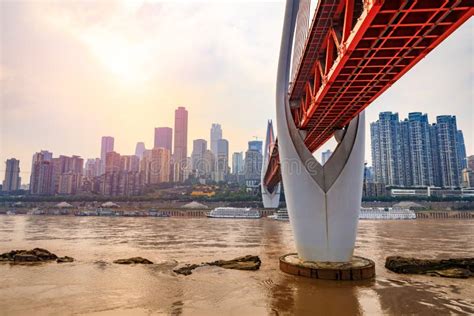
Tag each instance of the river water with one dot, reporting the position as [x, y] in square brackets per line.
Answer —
[93, 285]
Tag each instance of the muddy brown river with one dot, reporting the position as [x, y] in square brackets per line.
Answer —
[92, 285]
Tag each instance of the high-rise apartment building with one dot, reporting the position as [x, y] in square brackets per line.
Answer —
[180, 143]
[156, 165]
[41, 180]
[107, 145]
[197, 157]
[12, 180]
[461, 150]
[253, 162]
[129, 163]
[448, 151]
[419, 167]
[216, 135]
[222, 160]
[386, 149]
[92, 168]
[470, 162]
[113, 162]
[237, 163]
[413, 153]
[163, 137]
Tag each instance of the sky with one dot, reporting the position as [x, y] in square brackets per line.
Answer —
[71, 72]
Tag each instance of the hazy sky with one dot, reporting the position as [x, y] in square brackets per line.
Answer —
[71, 72]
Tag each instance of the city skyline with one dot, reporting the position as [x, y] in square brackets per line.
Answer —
[215, 73]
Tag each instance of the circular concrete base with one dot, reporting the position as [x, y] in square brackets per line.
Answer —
[357, 269]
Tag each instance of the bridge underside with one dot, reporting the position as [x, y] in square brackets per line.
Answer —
[353, 53]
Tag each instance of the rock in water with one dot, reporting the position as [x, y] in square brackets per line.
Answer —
[64, 259]
[240, 263]
[35, 255]
[134, 260]
[187, 269]
[451, 268]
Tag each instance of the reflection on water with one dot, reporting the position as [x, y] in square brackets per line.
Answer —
[92, 285]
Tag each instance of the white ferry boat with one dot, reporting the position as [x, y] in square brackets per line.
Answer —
[234, 212]
[386, 213]
[280, 215]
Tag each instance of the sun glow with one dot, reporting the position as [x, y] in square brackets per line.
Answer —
[128, 61]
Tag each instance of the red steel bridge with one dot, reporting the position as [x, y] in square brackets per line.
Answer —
[355, 50]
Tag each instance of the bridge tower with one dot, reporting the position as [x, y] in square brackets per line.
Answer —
[323, 201]
[270, 199]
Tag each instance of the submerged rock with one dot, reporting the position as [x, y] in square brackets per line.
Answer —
[241, 263]
[187, 269]
[34, 255]
[64, 259]
[450, 268]
[134, 260]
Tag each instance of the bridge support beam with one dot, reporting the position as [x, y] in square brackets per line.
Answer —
[271, 200]
[323, 201]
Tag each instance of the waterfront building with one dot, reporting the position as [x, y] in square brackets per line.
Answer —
[180, 153]
[121, 183]
[163, 137]
[216, 135]
[69, 183]
[197, 157]
[107, 145]
[139, 149]
[12, 180]
[325, 156]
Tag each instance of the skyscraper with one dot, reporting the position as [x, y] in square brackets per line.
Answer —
[256, 145]
[107, 145]
[461, 150]
[129, 163]
[386, 149]
[448, 151]
[156, 165]
[222, 160]
[237, 163]
[139, 149]
[216, 134]
[197, 157]
[113, 162]
[180, 142]
[163, 137]
[12, 180]
[253, 163]
[420, 167]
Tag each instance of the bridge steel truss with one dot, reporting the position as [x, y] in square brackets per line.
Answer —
[354, 51]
